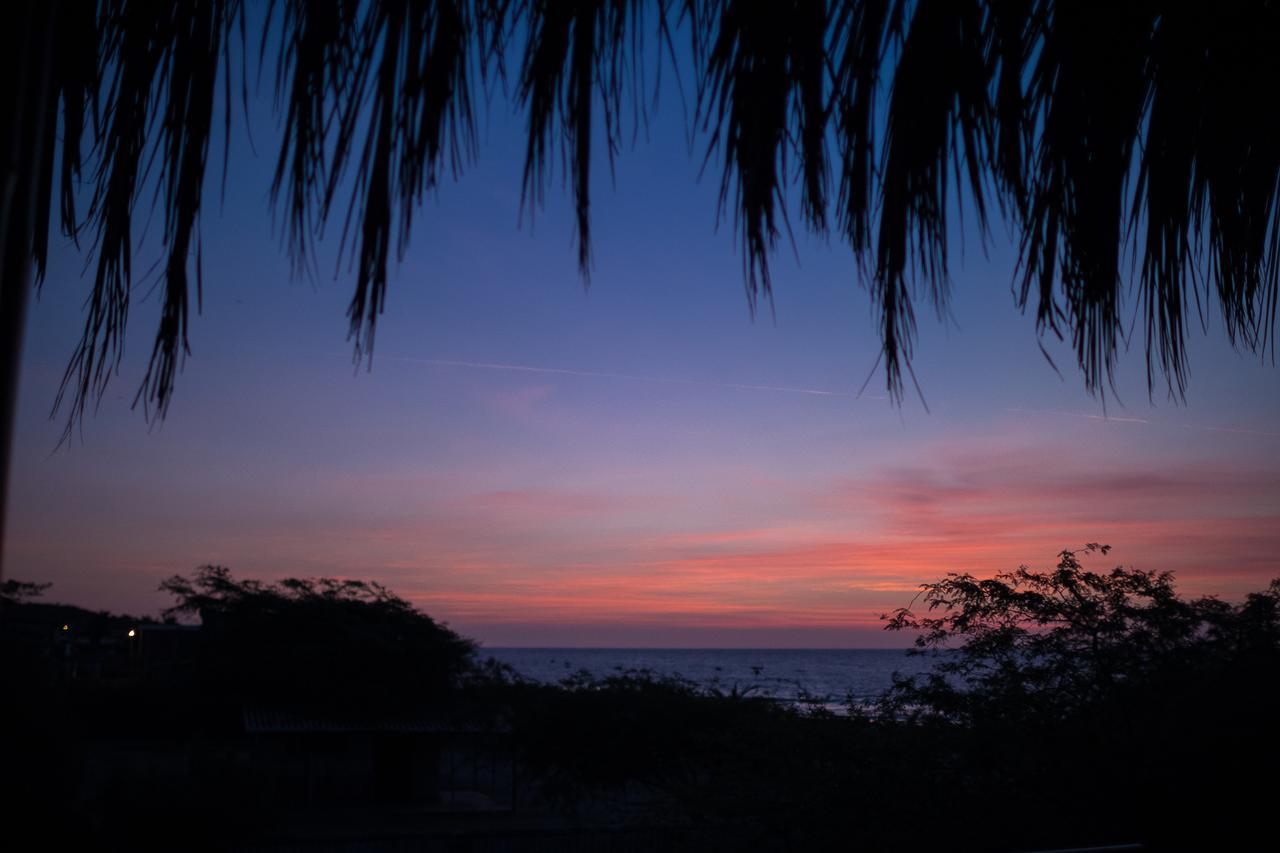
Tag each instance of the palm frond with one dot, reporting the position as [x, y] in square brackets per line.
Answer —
[1128, 146]
[315, 57]
[579, 52]
[860, 36]
[157, 70]
[935, 120]
[763, 94]
[73, 96]
[1087, 94]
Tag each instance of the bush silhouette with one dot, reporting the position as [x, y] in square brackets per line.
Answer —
[342, 643]
[1151, 716]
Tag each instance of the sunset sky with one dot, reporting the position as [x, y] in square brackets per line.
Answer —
[636, 464]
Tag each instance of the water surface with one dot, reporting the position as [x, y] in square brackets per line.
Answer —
[829, 676]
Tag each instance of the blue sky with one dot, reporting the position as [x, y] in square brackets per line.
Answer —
[637, 463]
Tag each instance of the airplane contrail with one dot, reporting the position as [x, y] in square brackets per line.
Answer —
[630, 377]
[1237, 430]
[1079, 415]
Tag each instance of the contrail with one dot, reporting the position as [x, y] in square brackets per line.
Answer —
[1237, 430]
[1145, 421]
[663, 380]
[1079, 415]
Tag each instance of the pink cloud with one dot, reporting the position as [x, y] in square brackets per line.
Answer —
[880, 536]
[740, 552]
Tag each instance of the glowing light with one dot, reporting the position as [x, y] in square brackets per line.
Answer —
[66, 627]
[132, 633]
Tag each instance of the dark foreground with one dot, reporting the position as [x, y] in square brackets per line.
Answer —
[1078, 709]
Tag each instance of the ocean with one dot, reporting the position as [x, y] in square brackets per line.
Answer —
[830, 677]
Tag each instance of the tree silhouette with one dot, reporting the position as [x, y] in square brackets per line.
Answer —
[1049, 645]
[1103, 690]
[341, 643]
[1126, 145]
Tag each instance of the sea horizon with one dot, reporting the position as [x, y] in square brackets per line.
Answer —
[831, 677]
[483, 647]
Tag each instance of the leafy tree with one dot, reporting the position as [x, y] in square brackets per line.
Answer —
[345, 643]
[1052, 644]
[1102, 693]
[16, 591]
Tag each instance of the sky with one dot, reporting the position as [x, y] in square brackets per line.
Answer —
[637, 463]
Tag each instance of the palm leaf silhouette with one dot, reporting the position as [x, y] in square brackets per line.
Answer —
[1125, 144]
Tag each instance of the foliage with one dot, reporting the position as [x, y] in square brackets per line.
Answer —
[328, 641]
[1103, 691]
[656, 747]
[1070, 707]
[1125, 145]
[1067, 707]
[15, 591]
[1052, 644]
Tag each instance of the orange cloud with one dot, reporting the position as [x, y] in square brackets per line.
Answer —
[744, 552]
[877, 539]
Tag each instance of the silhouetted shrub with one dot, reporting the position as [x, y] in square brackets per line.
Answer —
[1102, 698]
[328, 642]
